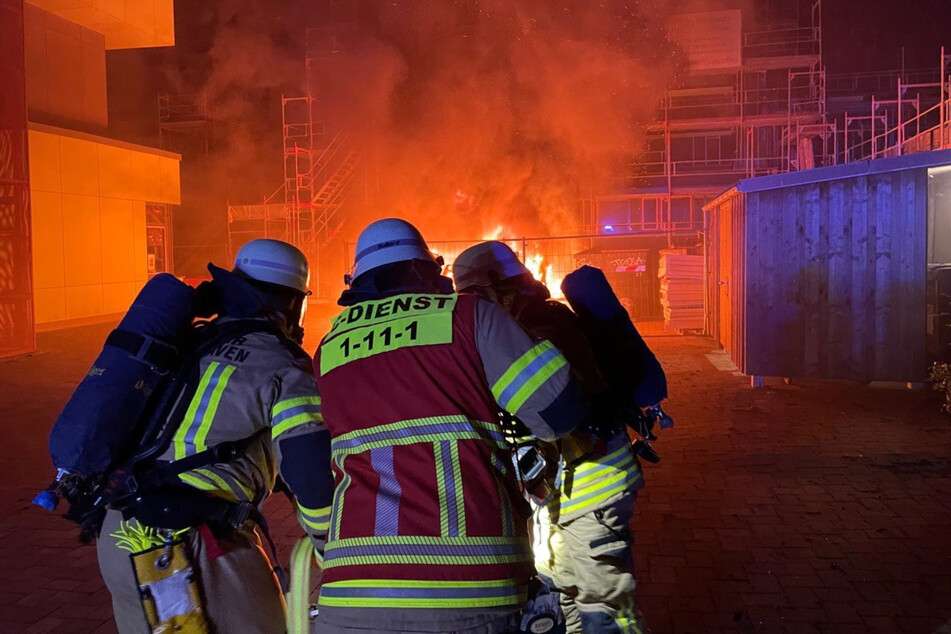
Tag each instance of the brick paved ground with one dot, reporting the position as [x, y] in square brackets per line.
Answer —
[803, 508]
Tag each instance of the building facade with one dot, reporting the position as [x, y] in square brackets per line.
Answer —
[100, 207]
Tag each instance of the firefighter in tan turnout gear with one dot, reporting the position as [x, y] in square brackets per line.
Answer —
[428, 531]
[583, 539]
[255, 389]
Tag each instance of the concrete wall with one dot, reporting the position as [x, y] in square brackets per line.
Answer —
[65, 71]
[89, 244]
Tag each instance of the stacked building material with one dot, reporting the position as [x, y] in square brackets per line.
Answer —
[681, 290]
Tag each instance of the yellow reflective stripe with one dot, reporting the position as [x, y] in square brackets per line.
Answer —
[491, 540]
[209, 416]
[545, 373]
[321, 524]
[415, 422]
[287, 404]
[227, 480]
[295, 421]
[429, 560]
[317, 526]
[182, 433]
[457, 479]
[415, 583]
[613, 486]
[593, 465]
[337, 510]
[200, 483]
[323, 511]
[516, 368]
[516, 596]
[593, 475]
[441, 490]
[208, 480]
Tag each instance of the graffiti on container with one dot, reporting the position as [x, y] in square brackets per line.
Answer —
[627, 263]
[630, 264]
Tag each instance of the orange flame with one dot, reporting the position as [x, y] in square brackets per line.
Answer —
[495, 234]
[541, 269]
[542, 272]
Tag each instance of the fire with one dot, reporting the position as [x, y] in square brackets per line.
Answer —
[495, 234]
[542, 272]
[541, 269]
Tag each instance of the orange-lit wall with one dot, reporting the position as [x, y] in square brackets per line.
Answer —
[65, 71]
[89, 195]
[125, 23]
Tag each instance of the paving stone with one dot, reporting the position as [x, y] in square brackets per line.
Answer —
[812, 507]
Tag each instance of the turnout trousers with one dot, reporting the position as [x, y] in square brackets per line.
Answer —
[589, 560]
[239, 588]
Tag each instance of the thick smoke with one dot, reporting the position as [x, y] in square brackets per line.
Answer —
[476, 113]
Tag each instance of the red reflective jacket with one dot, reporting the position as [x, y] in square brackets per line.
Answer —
[427, 509]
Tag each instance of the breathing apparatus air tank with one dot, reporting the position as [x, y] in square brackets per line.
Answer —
[106, 408]
[625, 359]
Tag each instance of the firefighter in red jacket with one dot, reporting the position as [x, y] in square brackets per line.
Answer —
[428, 529]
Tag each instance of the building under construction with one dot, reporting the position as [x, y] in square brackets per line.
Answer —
[755, 101]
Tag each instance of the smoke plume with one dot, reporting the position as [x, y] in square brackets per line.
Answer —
[476, 113]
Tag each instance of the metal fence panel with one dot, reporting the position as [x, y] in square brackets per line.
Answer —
[630, 262]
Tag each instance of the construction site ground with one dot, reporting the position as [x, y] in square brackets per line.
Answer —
[809, 507]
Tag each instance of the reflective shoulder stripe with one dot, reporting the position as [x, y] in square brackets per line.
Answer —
[404, 593]
[202, 435]
[197, 399]
[526, 375]
[193, 432]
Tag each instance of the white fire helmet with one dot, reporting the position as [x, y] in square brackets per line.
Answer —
[274, 262]
[486, 263]
[388, 241]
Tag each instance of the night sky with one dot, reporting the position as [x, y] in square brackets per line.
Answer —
[869, 35]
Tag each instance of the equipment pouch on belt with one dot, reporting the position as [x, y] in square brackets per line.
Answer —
[168, 586]
[543, 613]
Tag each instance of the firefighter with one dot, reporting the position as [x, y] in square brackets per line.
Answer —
[257, 390]
[428, 530]
[583, 538]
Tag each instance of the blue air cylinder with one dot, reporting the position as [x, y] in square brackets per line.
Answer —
[107, 406]
[622, 354]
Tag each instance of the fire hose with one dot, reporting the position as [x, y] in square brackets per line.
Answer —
[298, 594]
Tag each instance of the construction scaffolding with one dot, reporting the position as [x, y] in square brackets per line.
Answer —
[763, 113]
[186, 119]
[916, 118]
[320, 164]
